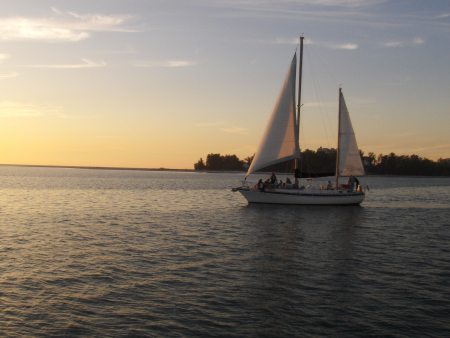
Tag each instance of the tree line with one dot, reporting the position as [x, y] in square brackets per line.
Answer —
[323, 160]
[223, 162]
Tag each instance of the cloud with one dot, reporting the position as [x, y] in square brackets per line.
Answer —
[21, 109]
[346, 46]
[9, 75]
[97, 22]
[330, 45]
[235, 130]
[393, 44]
[86, 63]
[285, 41]
[319, 3]
[443, 16]
[435, 146]
[38, 29]
[4, 57]
[417, 41]
[343, 3]
[222, 126]
[209, 124]
[61, 27]
[355, 11]
[166, 64]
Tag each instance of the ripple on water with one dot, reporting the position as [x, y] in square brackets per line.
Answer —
[111, 253]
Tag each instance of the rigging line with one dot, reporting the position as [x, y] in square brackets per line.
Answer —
[323, 111]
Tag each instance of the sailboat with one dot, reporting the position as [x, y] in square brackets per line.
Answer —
[280, 143]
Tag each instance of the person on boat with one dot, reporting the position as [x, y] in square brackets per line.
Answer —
[353, 183]
[287, 184]
[357, 185]
[329, 185]
[260, 185]
[267, 184]
[273, 179]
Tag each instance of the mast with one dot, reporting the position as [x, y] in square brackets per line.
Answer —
[339, 140]
[300, 68]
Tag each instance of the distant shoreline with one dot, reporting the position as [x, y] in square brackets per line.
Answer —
[116, 168]
[180, 170]
[93, 167]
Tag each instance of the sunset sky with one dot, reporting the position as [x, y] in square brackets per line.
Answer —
[143, 83]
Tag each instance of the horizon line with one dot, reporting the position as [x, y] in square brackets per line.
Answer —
[93, 167]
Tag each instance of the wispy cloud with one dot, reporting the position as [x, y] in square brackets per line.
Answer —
[99, 22]
[417, 41]
[4, 57]
[335, 45]
[235, 130]
[38, 29]
[209, 124]
[166, 64]
[223, 127]
[435, 146]
[285, 41]
[86, 63]
[443, 16]
[21, 109]
[346, 46]
[325, 44]
[8, 75]
[61, 26]
[343, 3]
[393, 44]
[354, 11]
[320, 3]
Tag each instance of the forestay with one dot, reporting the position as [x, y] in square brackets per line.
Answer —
[349, 159]
[280, 140]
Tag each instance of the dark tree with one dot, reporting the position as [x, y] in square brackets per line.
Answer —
[200, 165]
[219, 162]
[249, 159]
[323, 161]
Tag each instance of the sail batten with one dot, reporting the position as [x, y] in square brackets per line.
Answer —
[349, 163]
[280, 140]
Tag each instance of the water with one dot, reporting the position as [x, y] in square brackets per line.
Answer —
[161, 254]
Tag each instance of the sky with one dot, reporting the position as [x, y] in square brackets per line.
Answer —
[152, 83]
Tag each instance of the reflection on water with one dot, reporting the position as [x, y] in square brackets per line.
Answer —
[121, 253]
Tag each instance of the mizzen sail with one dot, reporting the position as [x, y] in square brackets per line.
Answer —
[280, 140]
[349, 159]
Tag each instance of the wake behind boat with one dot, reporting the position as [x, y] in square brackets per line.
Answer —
[280, 144]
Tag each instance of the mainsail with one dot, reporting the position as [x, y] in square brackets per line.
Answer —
[280, 140]
[349, 159]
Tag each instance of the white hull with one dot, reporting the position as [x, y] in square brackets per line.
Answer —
[303, 197]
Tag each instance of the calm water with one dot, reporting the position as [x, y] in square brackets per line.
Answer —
[158, 254]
